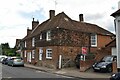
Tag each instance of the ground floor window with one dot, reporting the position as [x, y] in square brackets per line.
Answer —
[40, 53]
[33, 54]
[25, 53]
[21, 54]
[49, 53]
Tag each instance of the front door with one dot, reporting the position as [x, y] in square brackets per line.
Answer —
[40, 53]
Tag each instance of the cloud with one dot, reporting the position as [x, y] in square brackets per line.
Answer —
[36, 14]
[16, 15]
[97, 16]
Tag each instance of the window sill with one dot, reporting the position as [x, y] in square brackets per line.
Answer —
[48, 57]
[94, 46]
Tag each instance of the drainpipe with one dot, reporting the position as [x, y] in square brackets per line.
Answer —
[89, 43]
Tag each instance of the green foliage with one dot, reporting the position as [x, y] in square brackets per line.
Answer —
[11, 54]
[18, 54]
[5, 46]
[6, 50]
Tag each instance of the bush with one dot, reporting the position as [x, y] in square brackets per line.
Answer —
[11, 54]
[18, 55]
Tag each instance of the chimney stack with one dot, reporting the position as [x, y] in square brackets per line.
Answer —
[28, 31]
[81, 18]
[34, 23]
[52, 13]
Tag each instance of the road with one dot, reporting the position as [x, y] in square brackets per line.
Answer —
[9, 72]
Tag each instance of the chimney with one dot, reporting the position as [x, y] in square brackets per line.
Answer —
[28, 31]
[34, 23]
[81, 18]
[52, 13]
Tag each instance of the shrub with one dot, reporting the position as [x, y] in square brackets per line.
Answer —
[11, 54]
[18, 55]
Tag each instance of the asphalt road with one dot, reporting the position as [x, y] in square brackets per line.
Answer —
[9, 73]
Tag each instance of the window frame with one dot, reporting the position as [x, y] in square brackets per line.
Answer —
[40, 52]
[94, 40]
[48, 54]
[41, 36]
[33, 42]
[25, 44]
[48, 35]
[33, 54]
[25, 53]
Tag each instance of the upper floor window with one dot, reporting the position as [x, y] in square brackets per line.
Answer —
[41, 36]
[48, 36]
[33, 42]
[94, 40]
[25, 43]
[49, 53]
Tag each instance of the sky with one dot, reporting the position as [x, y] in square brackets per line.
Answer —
[16, 15]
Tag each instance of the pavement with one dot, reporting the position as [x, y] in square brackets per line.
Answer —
[72, 72]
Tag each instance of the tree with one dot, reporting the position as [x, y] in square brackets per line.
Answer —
[5, 46]
[7, 50]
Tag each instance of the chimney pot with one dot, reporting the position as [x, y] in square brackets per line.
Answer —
[33, 19]
[81, 17]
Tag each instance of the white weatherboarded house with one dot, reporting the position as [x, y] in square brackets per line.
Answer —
[116, 15]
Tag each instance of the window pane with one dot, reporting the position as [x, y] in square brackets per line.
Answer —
[49, 35]
[93, 40]
[49, 53]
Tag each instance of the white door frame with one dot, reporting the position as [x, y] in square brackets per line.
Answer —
[40, 53]
[29, 56]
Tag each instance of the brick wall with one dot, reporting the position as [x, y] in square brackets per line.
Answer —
[103, 40]
[65, 51]
[102, 52]
[84, 65]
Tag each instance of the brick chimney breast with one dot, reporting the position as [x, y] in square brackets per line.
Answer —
[81, 18]
[52, 13]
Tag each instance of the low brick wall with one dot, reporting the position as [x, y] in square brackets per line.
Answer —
[84, 65]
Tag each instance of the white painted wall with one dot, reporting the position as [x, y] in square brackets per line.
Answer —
[119, 5]
[117, 21]
[114, 52]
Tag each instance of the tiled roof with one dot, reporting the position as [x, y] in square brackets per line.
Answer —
[112, 43]
[63, 21]
[116, 13]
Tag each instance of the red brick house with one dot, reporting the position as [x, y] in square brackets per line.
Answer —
[60, 35]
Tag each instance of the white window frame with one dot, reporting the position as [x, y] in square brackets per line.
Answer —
[33, 42]
[33, 54]
[21, 54]
[25, 54]
[25, 44]
[48, 35]
[48, 53]
[41, 36]
[94, 40]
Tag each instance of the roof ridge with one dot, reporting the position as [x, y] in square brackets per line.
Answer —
[62, 20]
